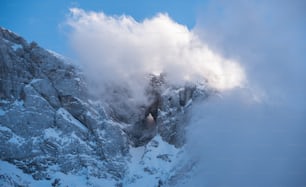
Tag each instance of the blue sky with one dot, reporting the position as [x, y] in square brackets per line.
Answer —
[40, 20]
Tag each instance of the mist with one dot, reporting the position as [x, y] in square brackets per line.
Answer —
[253, 133]
[256, 135]
[119, 50]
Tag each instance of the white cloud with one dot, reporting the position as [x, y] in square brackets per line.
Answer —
[118, 49]
[240, 142]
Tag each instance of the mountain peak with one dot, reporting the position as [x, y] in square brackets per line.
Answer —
[52, 127]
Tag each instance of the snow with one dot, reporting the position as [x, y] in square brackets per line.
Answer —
[67, 116]
[146, 165]
[13, 174]
[5, 40]
[77, 79]
[2, 112]
[4, 101]
[61, 57]
[18, 103]
[189, 103]
[51, 133]
[16, 46]
[2, 128]
[10, 174]
[13, 45]
[35, 80]
[15, 139]
[75, 180]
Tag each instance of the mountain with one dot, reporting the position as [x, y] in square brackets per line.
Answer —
[55, 132]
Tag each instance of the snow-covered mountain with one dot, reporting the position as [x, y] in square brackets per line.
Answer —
[54, 132]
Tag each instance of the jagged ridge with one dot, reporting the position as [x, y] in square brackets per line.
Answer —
[49, 122]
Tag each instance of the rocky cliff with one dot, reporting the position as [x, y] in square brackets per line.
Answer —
[51, 127]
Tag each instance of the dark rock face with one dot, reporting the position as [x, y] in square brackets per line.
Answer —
[174, 115]
[170, 108]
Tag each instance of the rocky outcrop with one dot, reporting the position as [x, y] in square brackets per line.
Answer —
[50, 123]
[47, 118]
[170, 108]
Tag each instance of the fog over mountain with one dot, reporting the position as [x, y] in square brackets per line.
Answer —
[255, 136]
[155, 103]
[119, 49]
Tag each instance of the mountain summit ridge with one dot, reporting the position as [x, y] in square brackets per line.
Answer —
[52, 127]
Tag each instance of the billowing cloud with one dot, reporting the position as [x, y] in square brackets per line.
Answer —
[118, 49]
[243, 143]
[238, 142]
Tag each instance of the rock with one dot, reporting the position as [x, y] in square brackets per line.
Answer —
[28, 122]
[173, 116]
[47, 118]
[174, 111]
[73, 105]
[51, 125]
[47, 91]
[14, 72]
[67, 123]
[33, 100]
[113, 137]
